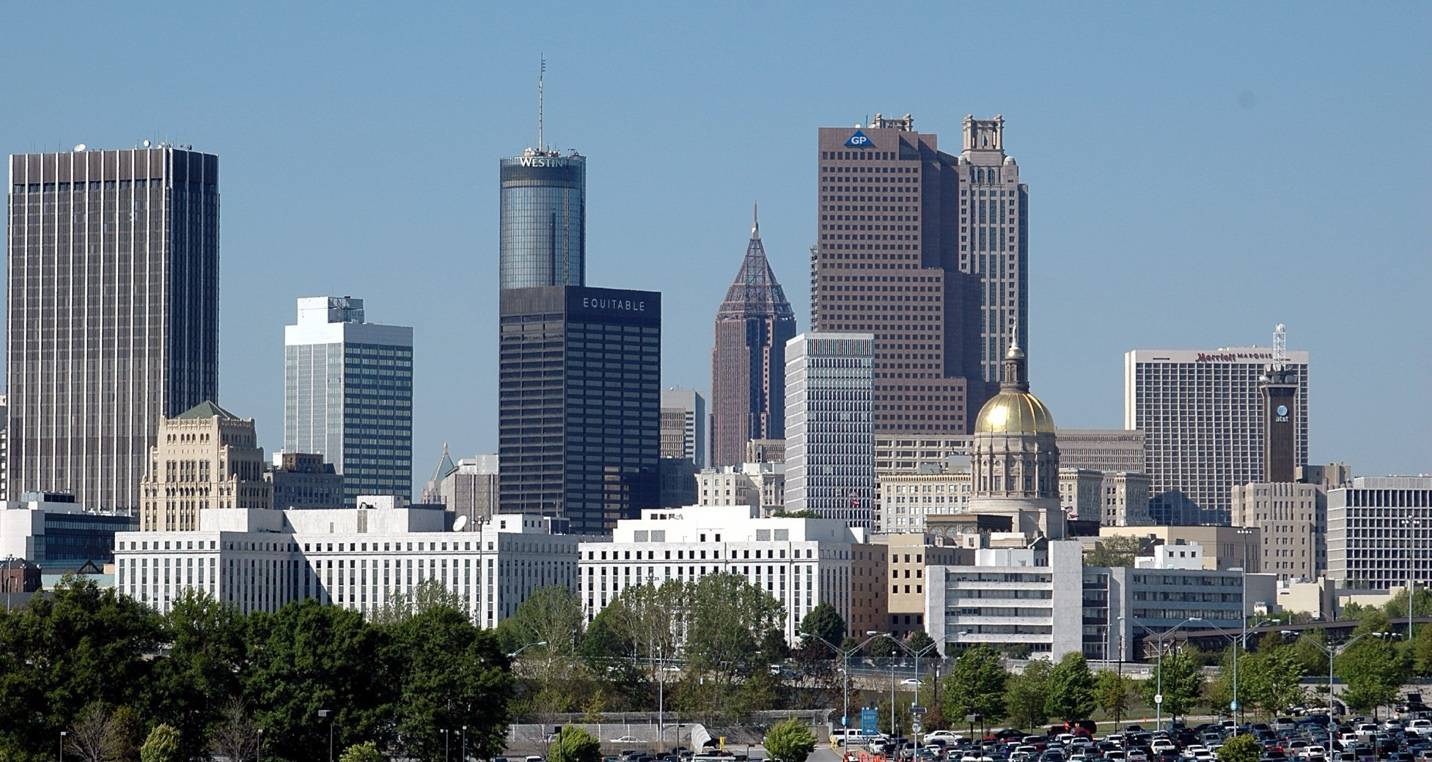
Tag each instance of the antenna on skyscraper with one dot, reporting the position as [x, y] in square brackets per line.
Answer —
[1280, 347]
[541, 74]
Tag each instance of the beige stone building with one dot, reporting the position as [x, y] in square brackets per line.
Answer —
[907, 499]
[908, 557]
[759, 485]
[1081, 493]
[206, 457]
[869, 604]
[1126, 499]
[1293, 520]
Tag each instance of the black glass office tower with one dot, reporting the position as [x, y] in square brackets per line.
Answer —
[112, 312]
[543, 239]
[579, 403]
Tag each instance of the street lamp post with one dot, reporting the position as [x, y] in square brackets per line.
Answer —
[464, 743]
[1332, 650]
[519, 651]
[9, 559]
[915, 700]
[447, 754]
[1158, 681]
[1121, 670]
[1237, 639]
[1411, 582]
[259, 747]
[63, 733]
[327, 714]
[845, 657]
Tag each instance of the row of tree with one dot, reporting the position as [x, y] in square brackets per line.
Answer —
[110, 673]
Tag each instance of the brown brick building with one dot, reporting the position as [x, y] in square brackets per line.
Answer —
[888, 262]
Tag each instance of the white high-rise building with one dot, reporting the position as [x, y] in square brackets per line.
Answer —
[1202, 417]
[348, 395]
[1379, 530]
[830, 427]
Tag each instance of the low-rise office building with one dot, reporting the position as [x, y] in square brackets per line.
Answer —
[304, 480]
[1379, 530]
[363, 559]
[1042, 602]
[800, 562]
[57, 534]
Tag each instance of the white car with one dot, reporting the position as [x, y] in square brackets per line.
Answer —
[626, 739]
[1160, 745]
[1420, 727]
[948, 736]
[1315, 752]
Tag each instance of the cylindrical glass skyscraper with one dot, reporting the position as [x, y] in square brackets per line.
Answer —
[544, 220]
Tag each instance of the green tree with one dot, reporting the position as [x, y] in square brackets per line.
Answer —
[1396, 607]
[725, 617]
[918, 641]
[1422, 651]
[1270, 680]
[573, 744]
[1311, 653]
[1371, 621]
[552, 616]
[789, 741]
[162, 745]
[77, 646]
[1117, 551]
[361, 752]
[883, 648]
[1112, 691]
[452, 674]
[976, 685]
[1373, 670]
[200, 669]
[1027, 694]
[610, 656]
[824, 622]
[308, 656]
[1071, 688]
[1182, 683]
[1240, 748]
[429, 594]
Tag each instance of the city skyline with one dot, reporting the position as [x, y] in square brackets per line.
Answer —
[1224, 261]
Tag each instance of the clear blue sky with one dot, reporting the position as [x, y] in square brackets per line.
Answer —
[1198, 172]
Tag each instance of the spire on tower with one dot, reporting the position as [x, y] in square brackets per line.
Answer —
[755, 221]
[541, 75]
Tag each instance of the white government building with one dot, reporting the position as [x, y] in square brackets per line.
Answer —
[258, 560]
[800, 562]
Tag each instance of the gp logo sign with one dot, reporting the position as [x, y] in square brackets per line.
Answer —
[858, 140]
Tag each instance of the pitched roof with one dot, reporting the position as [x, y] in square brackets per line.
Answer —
[445, 466]
[207, 409]
[755, 291]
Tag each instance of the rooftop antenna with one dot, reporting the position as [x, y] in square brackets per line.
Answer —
[1280, 347]
[541, 74]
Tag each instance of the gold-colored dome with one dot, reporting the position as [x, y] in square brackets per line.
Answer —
[1014, 412]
